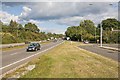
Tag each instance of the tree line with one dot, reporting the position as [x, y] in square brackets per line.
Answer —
[16, 33]
[88, 31]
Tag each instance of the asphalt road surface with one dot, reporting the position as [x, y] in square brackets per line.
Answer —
[14, 58]
[115, 55]
[112, 45]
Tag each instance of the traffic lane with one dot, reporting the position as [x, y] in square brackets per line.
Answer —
[20, 54]
[16, 51]
[4, 70]
[104, 52]
[4, 53]
[109, 45]
[9, 52]
[112, 45]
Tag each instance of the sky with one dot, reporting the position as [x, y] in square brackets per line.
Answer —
[55, 17]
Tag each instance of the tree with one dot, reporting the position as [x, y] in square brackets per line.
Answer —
[13, 27]
[31, 27]
[89, 26]
[108, 35]
[1, 24]
[110, 23]
[86, 30]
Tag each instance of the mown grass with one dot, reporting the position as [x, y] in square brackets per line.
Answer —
[67, 61]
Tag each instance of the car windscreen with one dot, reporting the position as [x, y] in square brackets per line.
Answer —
[32, 44]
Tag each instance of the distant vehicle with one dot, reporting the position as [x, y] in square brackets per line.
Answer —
[55, 40]
[27, 42]
[68, 38]
[86, 42]
[33, 47]
[48, 39]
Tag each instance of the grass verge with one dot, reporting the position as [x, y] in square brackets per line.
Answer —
[67, 61]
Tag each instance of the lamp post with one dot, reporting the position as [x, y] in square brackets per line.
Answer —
[101, 29]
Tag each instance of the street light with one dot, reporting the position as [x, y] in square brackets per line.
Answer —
[101, 29]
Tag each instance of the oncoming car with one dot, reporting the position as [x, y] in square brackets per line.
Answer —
[86, 42]
[33, 47]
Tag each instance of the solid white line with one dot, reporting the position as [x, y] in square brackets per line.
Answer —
[29, 57]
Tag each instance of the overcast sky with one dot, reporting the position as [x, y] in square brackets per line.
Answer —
[55, 17]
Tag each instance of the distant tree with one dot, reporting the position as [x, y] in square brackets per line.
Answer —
[1, 24]
[13, 27]
[85, 31]
[31, 27]
[89, 26]
[50, 34]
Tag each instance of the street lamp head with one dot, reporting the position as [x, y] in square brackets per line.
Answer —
[90, 4]
[110, 4]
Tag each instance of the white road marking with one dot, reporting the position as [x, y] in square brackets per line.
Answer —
[29, 57]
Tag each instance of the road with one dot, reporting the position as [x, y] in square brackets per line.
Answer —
[115, 55]
[14, 58]
[13, 44]
[112, 45]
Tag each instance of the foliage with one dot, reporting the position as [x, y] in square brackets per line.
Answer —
[110, 36]
[15, 32]
[87, 31]
[110, 23]
[31, 27]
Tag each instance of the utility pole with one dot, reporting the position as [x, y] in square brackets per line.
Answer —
[101, 29]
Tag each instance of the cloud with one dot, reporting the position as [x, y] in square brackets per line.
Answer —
[25, 13]
[53, 30]
[34, 21]
[6, 17]
[69, 21]
[59, 10]
[96, 18]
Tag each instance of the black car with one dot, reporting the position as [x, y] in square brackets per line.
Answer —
[33, 47]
